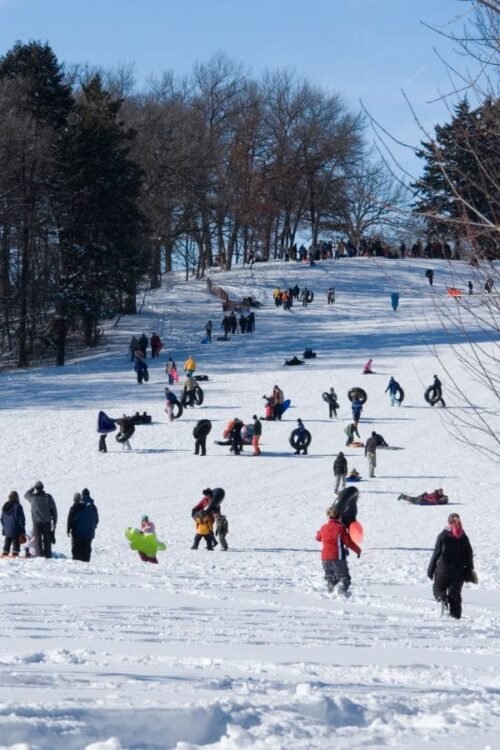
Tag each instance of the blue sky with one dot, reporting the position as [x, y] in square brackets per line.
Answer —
[364, 49]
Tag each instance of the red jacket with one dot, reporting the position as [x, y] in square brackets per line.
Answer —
[334, 534]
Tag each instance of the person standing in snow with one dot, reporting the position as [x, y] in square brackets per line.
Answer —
[339, 472]
[336, 538]
[189, 392]
[257, 434]
[221, 529]
[143, 345]
[208, 330]
[81, 525]
[13, 525]
[371, 453]
[452, 564]
[156, 345]
[333, 403]
[141, 369]
[44, 517]
[189, 366]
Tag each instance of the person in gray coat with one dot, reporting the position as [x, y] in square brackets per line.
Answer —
[44, 517]
[371, 453]
[339, 472]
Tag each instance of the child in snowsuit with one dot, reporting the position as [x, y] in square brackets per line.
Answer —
[147, 527]
[171, 371]
[204, 530]
[13, 525]
[336, 538]
[221, 529]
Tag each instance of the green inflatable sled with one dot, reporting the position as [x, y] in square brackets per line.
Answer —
[147, 545]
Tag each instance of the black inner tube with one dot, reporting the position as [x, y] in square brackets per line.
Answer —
[358, 393]
[432, 395]
[294, 439]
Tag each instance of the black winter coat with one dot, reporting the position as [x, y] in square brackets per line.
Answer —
[13, 521]
[83, 519]
[452, 556]
[340, 465]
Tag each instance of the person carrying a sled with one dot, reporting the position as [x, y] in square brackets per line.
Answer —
[335, 538]
[393, 388]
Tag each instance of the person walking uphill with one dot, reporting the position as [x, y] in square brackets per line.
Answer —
[44, 517]
[13, 525]
[371, 453]
[81, 525]
[336, 538]
[451, 564]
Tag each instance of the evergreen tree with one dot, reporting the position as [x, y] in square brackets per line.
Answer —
[100, 223]
[458, 192]
[38, 101]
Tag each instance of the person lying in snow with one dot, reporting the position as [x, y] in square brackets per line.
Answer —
[427, 498]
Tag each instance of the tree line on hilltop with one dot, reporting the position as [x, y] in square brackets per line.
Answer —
[103, 187]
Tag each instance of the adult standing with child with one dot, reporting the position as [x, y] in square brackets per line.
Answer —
[44, 517]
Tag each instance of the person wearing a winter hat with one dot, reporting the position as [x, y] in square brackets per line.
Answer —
[13, 525]
[452, 563]
[81, 525]
[44, 517]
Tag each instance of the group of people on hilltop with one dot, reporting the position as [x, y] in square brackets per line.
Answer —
[230, 324]
[82, 522]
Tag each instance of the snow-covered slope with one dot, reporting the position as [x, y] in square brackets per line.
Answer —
[244, 649]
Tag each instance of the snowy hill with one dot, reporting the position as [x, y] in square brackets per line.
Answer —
[245, 649]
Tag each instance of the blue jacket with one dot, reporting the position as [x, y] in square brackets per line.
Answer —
[140, 365]
[13, 521]
[357, 406]
[392, 387]
[83, 518]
